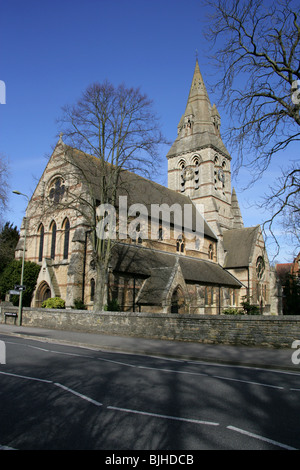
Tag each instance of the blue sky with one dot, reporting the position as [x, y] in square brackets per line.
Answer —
[52, 50]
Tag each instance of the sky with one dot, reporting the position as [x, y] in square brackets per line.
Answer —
[52, 50]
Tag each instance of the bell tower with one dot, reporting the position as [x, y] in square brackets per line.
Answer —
[199, 163]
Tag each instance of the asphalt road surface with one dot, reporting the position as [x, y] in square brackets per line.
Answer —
[65, 397]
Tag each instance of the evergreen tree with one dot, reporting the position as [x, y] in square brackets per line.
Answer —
[291, 295]
[9, 237]
[12, 275]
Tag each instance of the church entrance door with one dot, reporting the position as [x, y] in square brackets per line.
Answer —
[177, 301]
[43, 293]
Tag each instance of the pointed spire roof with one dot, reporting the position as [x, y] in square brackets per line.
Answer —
[198, 100]
[236, 211]
[197, 128]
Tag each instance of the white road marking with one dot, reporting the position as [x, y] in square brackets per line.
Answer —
[116, 362]
[6, 448]
[261, 438]
[247, 382]
[59, 352]
[26, 377]
[36, 347]
[80, 395]
[174, 371]
[156, 415]
[235, 366]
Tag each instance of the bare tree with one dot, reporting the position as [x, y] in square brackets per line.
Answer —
[259, 59]
[3, 184]
[283, 202]
[258, 50]
[120, 129]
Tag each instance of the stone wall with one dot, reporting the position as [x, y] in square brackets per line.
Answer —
[267, 331]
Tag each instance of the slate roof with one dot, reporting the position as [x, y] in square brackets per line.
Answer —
[135, 187]
[156, 288]
[284, 268]
[239, 245]
[142, 261]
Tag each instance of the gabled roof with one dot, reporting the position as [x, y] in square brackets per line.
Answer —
[155, 289]
[136, 188]
[283, 268]
[239, 245]
[143, 262]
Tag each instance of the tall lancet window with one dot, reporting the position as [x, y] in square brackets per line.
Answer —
[66, 227]
[41, 233]
[196, 164]
[182, 175]
[53, 239]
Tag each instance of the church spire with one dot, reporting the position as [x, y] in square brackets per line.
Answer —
[198, 96]
[197, 115]
[235, 208]
[199, 126]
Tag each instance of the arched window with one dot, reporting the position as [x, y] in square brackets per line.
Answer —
[234, 298]
[41, 232]
[197, 174]
[66, 227]
[180, 244]
[211, 251]
[209, 295]
[53, 239]
[196, 165]
[57, 190]
[260, 267]
[206, 295]
[182, 175]
[92, 289]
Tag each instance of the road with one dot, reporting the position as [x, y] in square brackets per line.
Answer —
[54, 396]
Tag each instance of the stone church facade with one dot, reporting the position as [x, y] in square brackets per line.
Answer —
[213, 270]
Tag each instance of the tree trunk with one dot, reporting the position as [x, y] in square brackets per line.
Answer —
[100, 299]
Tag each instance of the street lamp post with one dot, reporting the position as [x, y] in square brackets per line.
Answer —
[23, 262]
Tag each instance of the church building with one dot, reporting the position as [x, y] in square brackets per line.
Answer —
[216, 269]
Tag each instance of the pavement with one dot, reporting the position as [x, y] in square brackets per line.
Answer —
[260, 357]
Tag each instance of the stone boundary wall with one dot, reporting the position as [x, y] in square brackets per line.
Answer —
[267, 331]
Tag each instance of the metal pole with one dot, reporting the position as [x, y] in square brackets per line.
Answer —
[23, 263]
[22, 275]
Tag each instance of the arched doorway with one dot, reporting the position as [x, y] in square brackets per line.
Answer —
[177, 301]
[43, 293]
